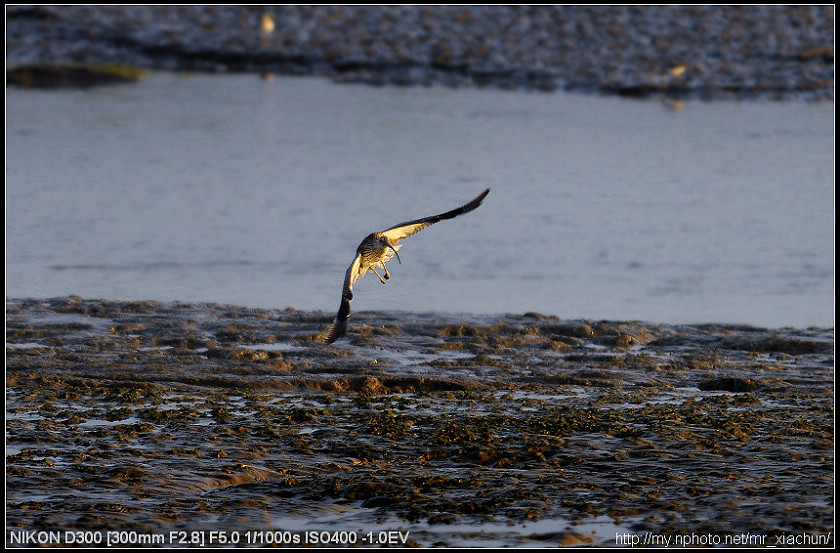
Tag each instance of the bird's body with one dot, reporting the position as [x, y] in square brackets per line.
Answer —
[379, 247]
[374, 251]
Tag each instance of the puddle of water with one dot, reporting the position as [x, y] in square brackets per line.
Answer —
[277, 346]
[99, 423]
[27, 345]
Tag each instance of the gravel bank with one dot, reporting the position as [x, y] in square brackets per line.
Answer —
[775, 52]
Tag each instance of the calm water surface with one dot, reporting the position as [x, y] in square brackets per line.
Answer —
[235, 190]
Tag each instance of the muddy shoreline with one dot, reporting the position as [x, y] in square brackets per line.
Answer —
[157, 417]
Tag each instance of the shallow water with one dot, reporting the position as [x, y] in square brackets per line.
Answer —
[235, 190]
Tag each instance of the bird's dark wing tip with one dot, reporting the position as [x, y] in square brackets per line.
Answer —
[467, 207]
[336, 332]
[340, 326]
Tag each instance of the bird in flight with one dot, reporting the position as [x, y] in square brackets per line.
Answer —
[378, 248]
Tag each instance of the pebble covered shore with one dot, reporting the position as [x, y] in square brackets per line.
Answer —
[777, 52]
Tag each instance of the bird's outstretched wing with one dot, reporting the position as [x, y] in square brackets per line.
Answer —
[393, 235]
[404, 230]
[340, 326]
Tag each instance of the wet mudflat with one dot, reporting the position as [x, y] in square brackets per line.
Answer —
[507, 430]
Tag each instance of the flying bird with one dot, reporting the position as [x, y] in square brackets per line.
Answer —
[378, 248]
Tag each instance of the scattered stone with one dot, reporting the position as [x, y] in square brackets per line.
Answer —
[706, 51]
[725, 384]
[72, 76]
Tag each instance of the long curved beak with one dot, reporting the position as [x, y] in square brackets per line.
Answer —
[395, 253]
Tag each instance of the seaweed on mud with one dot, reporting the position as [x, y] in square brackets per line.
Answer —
[194, 427]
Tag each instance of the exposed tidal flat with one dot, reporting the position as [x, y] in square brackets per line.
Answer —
[521, 429]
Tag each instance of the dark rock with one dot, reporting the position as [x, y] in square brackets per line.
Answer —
[728, 384]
